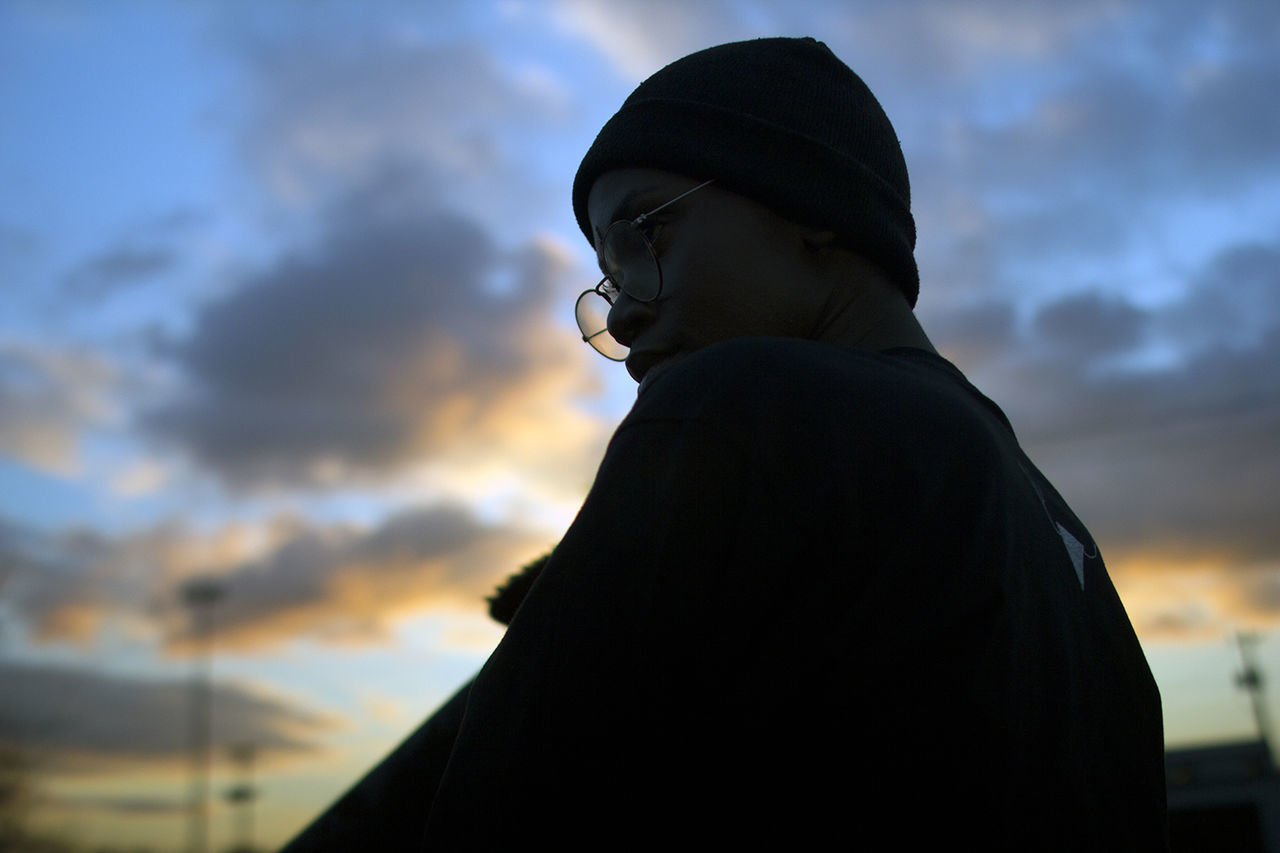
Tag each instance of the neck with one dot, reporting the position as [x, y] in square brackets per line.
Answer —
[870, 314]
[896, 328]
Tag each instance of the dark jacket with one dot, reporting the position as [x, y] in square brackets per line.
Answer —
[817, 596]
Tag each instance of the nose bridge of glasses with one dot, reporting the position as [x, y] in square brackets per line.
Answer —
[608, 289]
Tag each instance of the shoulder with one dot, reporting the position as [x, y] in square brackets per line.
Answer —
[762, 359]
[743, 370]
[801, 404]
[785, 377]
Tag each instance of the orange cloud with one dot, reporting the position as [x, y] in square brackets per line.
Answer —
[285, 580]
[349, 586]
[1195, 597]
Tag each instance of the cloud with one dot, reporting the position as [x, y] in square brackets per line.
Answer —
[79, 719]
[144, 476]
[1099, 323]
[1118, 129]
[282, 582]
[1136, 146]
[639, 38]
[347, 586]
[406, 334]
[1187, 490]
[324, 118]
[73, 585]
[47, 396]
[1206, 354]
[958, 44]
[1196, 601]
[949, 40]
[118, 268]
[1157, 423]
[122, 805]
[1231, 304]
[396, 329]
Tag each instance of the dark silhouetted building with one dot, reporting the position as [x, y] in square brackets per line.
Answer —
[1224, 797]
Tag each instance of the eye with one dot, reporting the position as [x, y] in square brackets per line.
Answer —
[650, 228]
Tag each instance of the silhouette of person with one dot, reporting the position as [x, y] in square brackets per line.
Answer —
[817, 594]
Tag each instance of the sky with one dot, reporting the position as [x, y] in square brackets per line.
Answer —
[286, 298]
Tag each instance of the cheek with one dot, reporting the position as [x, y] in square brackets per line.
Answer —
[725, 282]
[744, 287]
[702, 293]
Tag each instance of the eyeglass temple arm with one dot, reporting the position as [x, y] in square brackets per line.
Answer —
[642, 217]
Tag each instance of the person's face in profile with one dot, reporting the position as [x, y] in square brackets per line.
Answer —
[730, 267]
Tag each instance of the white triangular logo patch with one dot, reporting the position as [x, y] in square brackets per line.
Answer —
[1075, 550]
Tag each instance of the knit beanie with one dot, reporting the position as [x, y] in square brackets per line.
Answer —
[781, 121]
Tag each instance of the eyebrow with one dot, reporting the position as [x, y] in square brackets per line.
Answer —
[627, 201]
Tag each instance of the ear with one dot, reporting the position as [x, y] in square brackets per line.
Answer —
[818, 240]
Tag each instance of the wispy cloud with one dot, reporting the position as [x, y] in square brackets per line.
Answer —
[338, 586]
[279, 583]
[84, 720]
[638, 38]
[323, 120]
[48, 397]
[116, 269]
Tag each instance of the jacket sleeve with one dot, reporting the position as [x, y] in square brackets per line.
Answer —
[387, 809]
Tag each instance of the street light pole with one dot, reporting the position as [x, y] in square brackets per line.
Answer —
[1250, 680]
[199, 596]
[242, 797]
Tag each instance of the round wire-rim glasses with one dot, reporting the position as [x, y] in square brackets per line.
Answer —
[631, 266]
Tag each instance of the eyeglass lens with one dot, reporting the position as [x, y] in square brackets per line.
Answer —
[592, 313]
[631, 263]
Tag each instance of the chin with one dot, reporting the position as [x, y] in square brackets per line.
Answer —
[645, 370]
[640, 363]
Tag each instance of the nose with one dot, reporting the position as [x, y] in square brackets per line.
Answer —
[628, 318]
